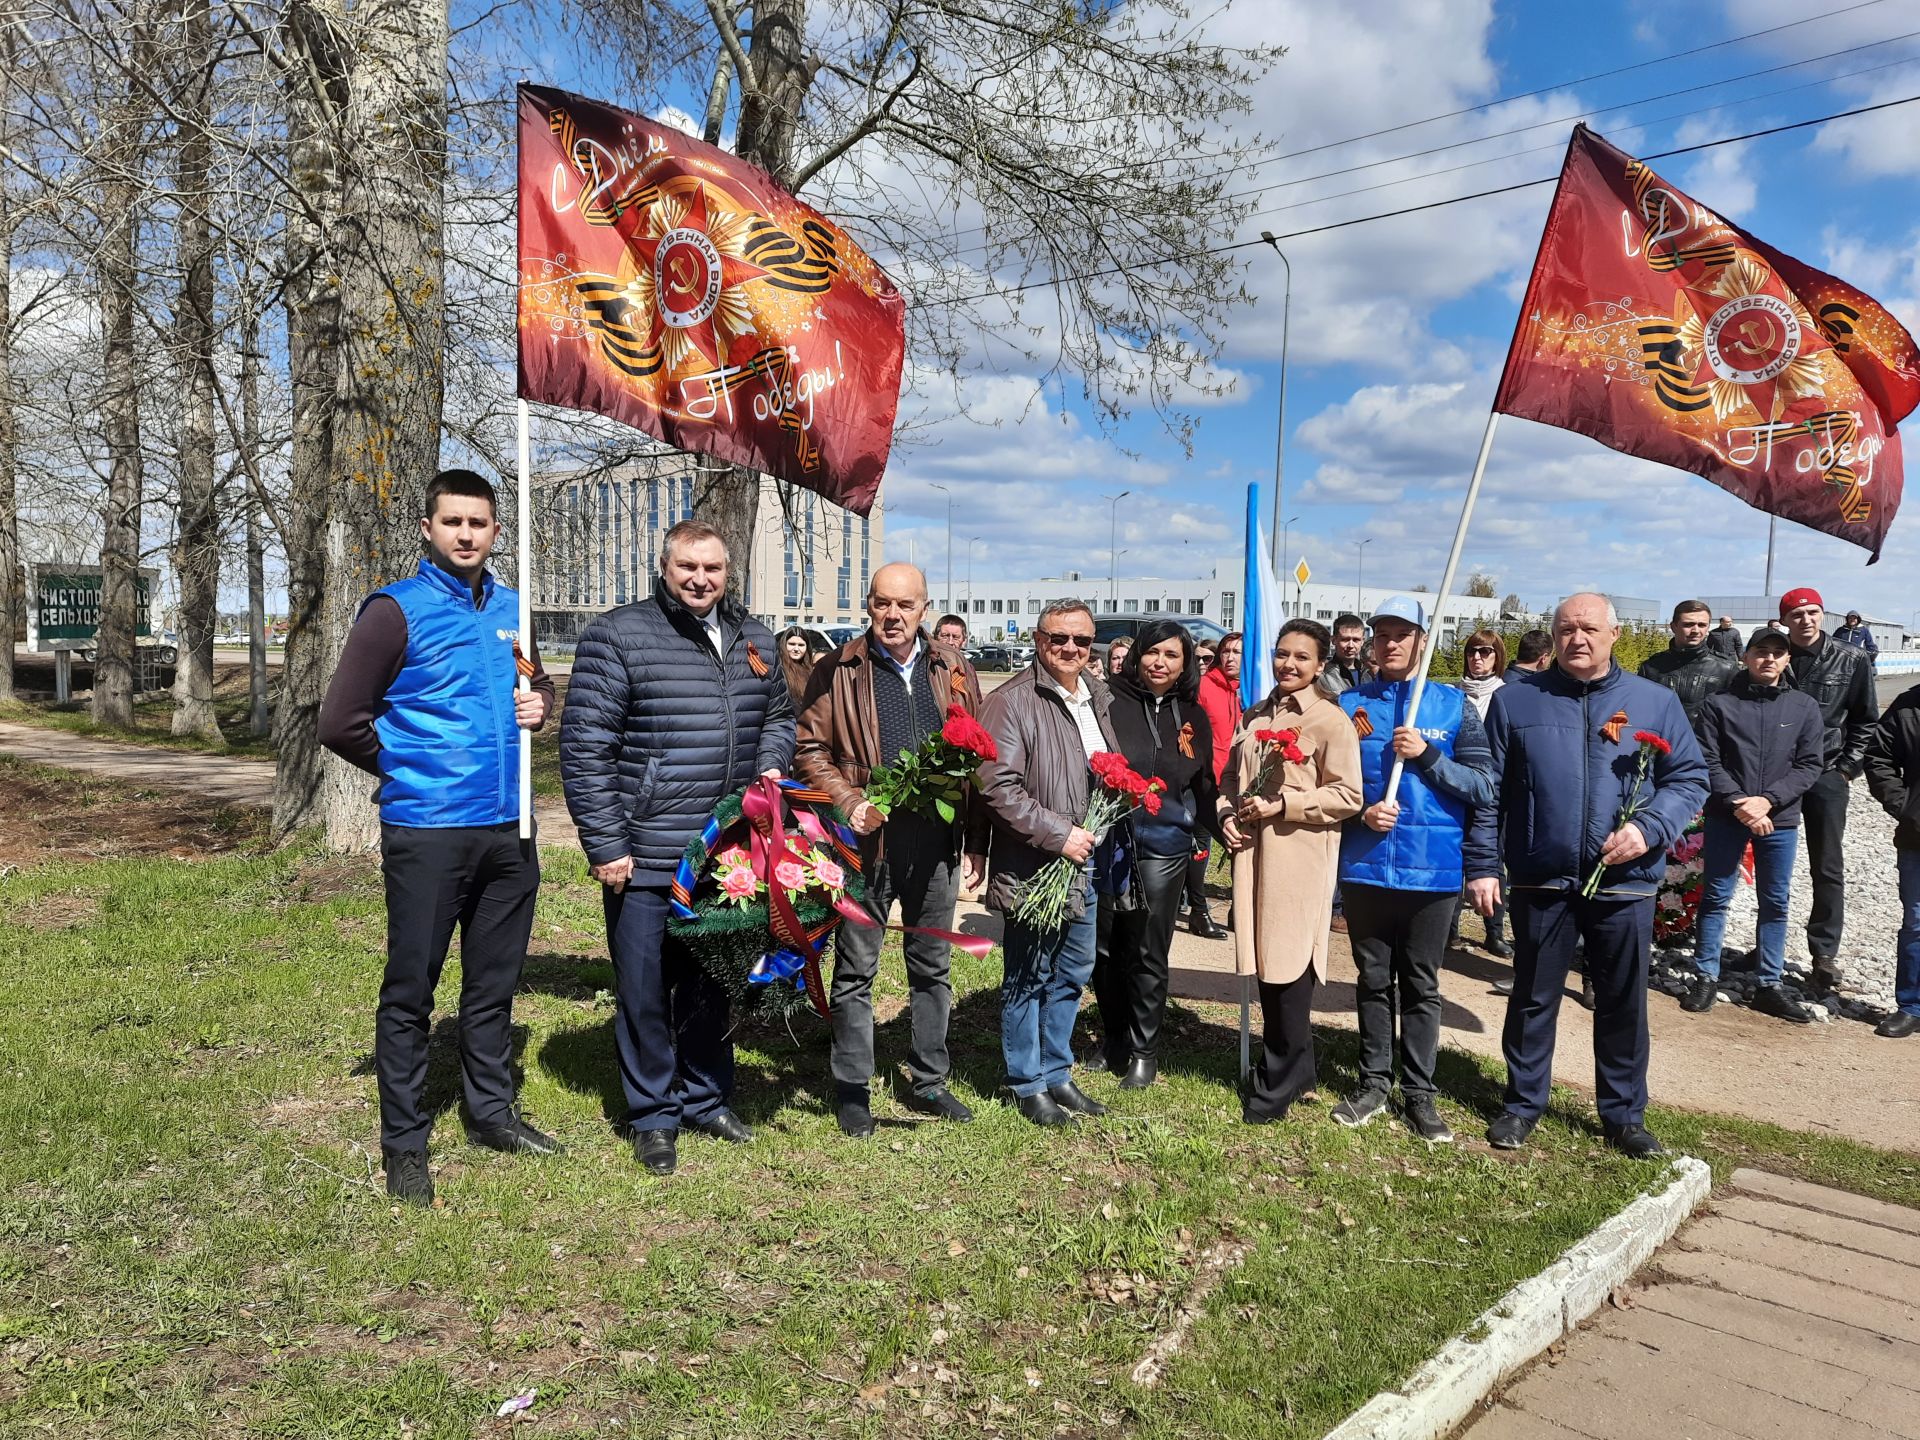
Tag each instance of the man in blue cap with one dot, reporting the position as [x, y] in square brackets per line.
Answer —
[1400, 863]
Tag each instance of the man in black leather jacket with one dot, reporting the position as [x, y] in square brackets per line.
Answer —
[1839, 678]
[1689, 667]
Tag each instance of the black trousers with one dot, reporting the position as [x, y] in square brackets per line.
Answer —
[1197, 878]
[1619, 941]
[918, 869]
[1130, 958]
[1286, 1069]
[1399, 940]
[484, 881]
[1823, 821]
[670, 1021]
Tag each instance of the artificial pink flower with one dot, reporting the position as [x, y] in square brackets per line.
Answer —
[791, 875]
[829, 874]
[732, 858]
[738, 883]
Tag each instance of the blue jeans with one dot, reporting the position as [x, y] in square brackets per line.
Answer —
[1045, 972]
[1906, 973]
[1726, 841]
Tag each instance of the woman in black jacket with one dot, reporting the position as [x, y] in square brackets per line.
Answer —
[1164, 733]
[1764, 750]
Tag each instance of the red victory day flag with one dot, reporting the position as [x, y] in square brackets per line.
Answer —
[674, 287]
[1660, 329]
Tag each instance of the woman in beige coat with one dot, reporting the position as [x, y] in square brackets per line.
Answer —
[1288, 858]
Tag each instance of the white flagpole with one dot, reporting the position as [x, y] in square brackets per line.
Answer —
[523, 522]
[1446, 585]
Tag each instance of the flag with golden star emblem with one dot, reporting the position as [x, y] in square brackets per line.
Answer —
[1661, 329]
[673, 287]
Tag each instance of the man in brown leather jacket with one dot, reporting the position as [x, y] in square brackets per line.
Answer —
[879, 694]
[1047, 722]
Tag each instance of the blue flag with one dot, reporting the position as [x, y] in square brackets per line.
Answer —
[1262, 610]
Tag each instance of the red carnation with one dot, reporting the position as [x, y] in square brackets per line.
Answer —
[965, 733]
[1276, 737]
[1657, 742]
[1150, 802]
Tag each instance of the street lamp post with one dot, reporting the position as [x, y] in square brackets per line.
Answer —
[1286, 550]
[972, 540]
[948, 602]
[1360, 578]
[1280, 424]
[1113, 541]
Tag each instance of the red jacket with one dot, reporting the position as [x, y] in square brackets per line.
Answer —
[1220, 698]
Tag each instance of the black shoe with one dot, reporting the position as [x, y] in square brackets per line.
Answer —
[1501, 949]
[1769, 1001]
[1200, 922]
[1826, 977]
[1067, 1096]
[1701, 993]
[656, 1149]
[725, 1125]
[942, 1103]
[1898, 1025]
[1361, 1108]
[1635, 1141]
[1141, 1071]
[1423, 1118]
[1041, 1110]
[1503, 986]
[1586, 992]
[1509, 1131]
[1256, 1117]
[407, 1177]
[856, 1120]
[515, 1137]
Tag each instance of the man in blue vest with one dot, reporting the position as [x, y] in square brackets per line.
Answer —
[1400, 864]
[425, 699]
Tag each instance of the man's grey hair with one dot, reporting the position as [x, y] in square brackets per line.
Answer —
[1613, 615]
[691, 532]
[1062, 607]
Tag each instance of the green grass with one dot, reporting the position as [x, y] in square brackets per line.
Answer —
[152, 724]
[193, 1243]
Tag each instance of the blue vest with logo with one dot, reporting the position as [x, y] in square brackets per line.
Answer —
[449, 748]
[1422, 851]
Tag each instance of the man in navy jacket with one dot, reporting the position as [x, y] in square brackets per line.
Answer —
[1563, 746]
[424, 698]
[675, 702]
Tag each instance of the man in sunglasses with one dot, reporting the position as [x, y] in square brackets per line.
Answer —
[1047, 722]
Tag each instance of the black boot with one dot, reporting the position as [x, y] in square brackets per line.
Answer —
[1200, 922]
[1141, 1071]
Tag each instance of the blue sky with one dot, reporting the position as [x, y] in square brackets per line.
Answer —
[1399, 327]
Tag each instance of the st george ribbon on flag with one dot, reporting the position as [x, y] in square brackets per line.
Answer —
[674, 287]
[1658, 328]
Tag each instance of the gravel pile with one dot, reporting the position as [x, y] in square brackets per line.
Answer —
[1866, 948]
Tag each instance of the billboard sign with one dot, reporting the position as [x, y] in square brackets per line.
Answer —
[63, 606]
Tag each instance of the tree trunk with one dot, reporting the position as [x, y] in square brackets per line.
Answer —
[10, 574]
[313, 346]
[728, 498]
[384, 363]
[197, 551]
[258, 718]
[117, 267]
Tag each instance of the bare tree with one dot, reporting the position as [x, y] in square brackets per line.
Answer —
[11, 576]
[1481, 586]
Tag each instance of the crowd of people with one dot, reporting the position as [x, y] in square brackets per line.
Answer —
[1544, 790]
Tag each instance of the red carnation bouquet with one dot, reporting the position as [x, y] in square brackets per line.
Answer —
[1650, 745]
[1277, 747]
[1118, 791]
[930, 780]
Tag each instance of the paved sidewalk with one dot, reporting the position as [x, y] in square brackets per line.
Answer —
[1783, 1310]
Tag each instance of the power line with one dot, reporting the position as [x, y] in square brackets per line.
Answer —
[1233, 245]
[1263, 157]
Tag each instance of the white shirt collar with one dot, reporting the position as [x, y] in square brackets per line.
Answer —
[1081, 696]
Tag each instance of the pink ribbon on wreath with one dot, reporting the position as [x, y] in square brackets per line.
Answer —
[765, 813]
[977, 946]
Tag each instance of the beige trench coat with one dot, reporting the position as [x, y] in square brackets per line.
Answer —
[1283, 883]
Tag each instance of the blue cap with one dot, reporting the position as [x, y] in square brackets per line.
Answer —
[1401, 607]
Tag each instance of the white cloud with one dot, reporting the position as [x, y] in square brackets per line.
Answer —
[1718, 178]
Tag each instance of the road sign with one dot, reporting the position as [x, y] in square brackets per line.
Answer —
[1013, 629]
[63, 606]
[1301, 573]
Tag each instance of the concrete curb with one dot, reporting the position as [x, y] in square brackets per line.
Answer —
[1528, 1318]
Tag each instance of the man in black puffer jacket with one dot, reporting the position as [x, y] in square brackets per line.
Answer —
[1839, 679]
[1893, 775]
[1692, 669]
[675, 703]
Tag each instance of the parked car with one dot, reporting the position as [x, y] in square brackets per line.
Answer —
[1001, 657]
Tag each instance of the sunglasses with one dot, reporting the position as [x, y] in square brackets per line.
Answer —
[1479, 650]
[1065, 641]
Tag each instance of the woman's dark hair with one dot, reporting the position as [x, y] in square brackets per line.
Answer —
[1158, 632]
[1321, 636]
[1491, 639]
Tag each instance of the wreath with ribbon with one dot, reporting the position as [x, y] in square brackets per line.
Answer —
[764, 947]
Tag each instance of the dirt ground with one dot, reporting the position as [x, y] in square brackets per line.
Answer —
[81, 817]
